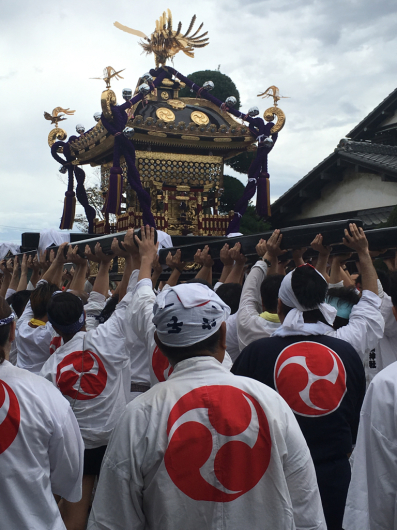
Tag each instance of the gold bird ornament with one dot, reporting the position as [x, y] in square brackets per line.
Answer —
[56, 115]
[165, 42]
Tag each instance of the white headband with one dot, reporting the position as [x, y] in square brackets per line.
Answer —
[294, 319]
[187, 314]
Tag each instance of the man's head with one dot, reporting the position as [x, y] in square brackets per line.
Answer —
[190, 322]
[304, 289]
[343, 299]
[230, 293]
[269, 292]
[66, 314]
[19, 300]
[41, 298]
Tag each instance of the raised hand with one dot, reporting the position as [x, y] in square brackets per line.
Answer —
[356, 239]
[74, 257]
[117, 251]
[147, 246]
[90, 255]
[317, 245]
[261, 248]
[273, 245]
[225, 256]
[237, 256]
[129, 244]
[103, 258]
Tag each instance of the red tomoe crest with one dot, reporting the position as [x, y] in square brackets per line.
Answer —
[311, 378]
[161, 366]
[10, 416]
[55, 343]
[81, 376]
[231, 467]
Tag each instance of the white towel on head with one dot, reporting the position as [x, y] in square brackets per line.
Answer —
[294, 319]
[187, 314]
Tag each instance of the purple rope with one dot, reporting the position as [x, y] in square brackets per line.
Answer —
[81, 193]
[257, 172]
[123, 146]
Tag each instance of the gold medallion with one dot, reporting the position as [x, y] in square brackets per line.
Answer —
[165, 114]
[176, 104]
[199, 118]
[164, 95]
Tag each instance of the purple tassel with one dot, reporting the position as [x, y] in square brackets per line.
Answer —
[69, 206]
[115, 190]
[262, 196]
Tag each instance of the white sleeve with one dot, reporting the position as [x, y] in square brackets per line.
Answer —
[30, 286]
[94, 307]
[141, 312]
[366, 324]
[10, 292]
[301, 479]
[250, 326]
[66, 454]
[335, 285]
[217, 285]
[111, 333]
[386, 309]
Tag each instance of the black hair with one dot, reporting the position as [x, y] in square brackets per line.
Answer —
[176, 355]
[385, 280]
[5, 311]
[41, 298]
[19, 300]
[345, 294]
[309, 287]
[109, 308]
[393, 288]
[230, 293]
[199, 280]
[65, 309]
[269, 292]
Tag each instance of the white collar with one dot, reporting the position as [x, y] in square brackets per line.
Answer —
[319, 328]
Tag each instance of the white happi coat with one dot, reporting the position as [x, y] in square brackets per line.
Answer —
[371, 500]
[143, 327]
[207, 450]
[41, 451]
[98, 384]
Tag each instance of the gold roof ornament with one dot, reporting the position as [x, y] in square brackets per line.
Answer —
[57, 115]
[108, 73]
[165, 42]
[272, 112]
[272, 92]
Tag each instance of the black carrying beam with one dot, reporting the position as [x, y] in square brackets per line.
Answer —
[293, 237]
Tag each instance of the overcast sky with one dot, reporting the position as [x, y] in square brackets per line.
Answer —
[334, 58]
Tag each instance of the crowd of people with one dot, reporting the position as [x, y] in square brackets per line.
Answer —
[265, 399]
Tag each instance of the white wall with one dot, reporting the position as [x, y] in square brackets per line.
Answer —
[357, 191]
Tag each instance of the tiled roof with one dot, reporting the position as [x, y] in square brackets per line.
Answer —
[383, 156]
[375, 157]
